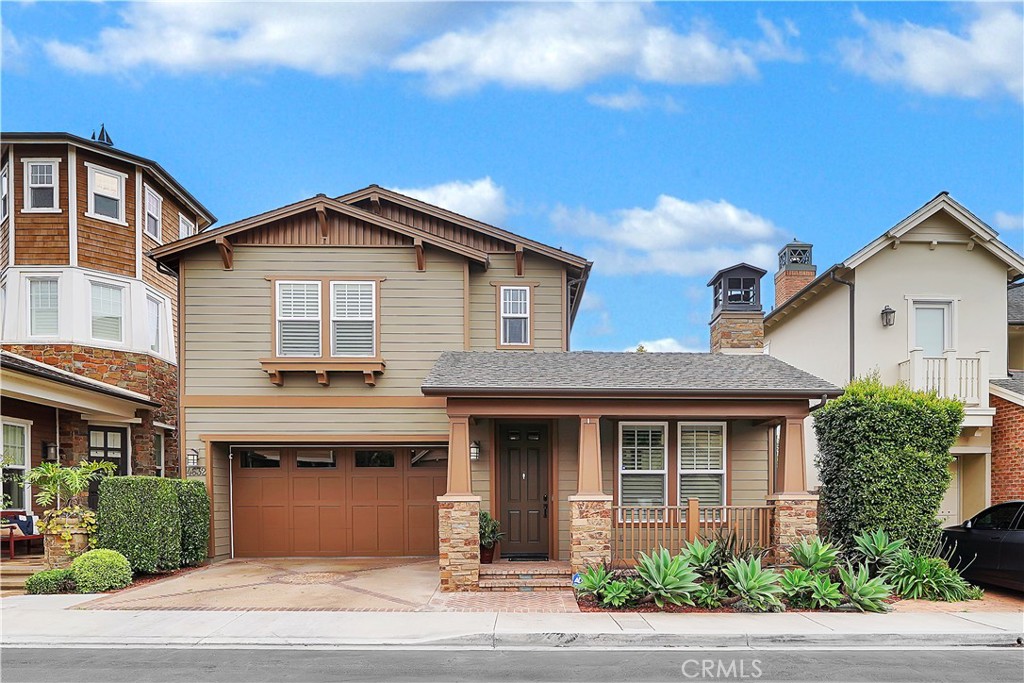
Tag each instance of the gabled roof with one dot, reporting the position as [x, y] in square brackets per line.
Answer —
[206, 218]
[980, 233]
[575, 373]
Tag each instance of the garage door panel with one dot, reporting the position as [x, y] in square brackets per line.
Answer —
[248, 492]
[364, 490]
[305, 489]
[247, 530]
[275, 531]
[333, 534]
[421, 522]
[332, 489]
[364, 529]
[274, 492]
[305, 529]
[390, 530]
[389, 489]
[421, 488]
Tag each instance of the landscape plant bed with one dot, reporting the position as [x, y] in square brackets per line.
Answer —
[587, 603]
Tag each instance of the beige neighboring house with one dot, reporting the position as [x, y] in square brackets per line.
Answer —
[925, 303]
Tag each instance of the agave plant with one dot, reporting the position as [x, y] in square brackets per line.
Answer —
[862, 591]
[796, 585]
[876, 549]
[700, 556]
[825, 592]
[709, 596]
[616, 594]
[667, 578]
[916, 577]
[757, 587]
[593, 580]
[814, 555]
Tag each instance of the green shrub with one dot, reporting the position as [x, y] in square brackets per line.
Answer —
[667, 578]
[875, 549]
[139, 517]
[708, 596]
[757, 587]
[194, 508]
[50, 581]
[796, 585]
[919, 577]
[616, 594]
[814, 555]
[884, 461]
[593, 580]
[863, 592]
[825, 593]
[101, 570]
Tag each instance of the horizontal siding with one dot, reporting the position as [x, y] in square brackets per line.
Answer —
[256, 421]
[480, 470]
[568, 472]
[549, 319]
[748, 467]
[218, 461]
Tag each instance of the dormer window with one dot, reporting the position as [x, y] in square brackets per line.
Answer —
[106, 194]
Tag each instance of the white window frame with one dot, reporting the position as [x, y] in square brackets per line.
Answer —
[278, 318]
[663, 471]
[947, 302]
[159, 338]
[502, 315]
[27, 426]
[148, 192]
[5, 197]
[122, 181]
[372, 318]
[724, 471]
[29, 279]
[27, 182]
[125, 307]
[184, 232]
[161, 436]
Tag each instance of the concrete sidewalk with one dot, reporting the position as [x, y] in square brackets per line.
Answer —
[48, 620]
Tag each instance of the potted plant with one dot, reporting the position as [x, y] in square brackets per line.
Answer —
[68, 524]
[490, 534]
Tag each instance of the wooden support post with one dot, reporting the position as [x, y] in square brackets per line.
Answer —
[590, 478]
[459, 481]
[692, 519]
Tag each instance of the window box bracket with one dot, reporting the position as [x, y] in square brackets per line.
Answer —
[276, 367]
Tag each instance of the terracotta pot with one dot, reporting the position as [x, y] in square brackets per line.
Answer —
[486, 555]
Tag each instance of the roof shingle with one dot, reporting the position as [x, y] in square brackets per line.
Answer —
[1015, 305]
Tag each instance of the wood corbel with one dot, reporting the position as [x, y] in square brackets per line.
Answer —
[421, 258]
[519, 260]
[370, 377]
[276, 378]
[322, 377]
[321, 215]
[227, 252]
[375, 203]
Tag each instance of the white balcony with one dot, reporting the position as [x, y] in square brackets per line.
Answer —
[949, 375]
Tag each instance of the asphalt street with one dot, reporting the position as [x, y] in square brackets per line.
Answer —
[197, 665]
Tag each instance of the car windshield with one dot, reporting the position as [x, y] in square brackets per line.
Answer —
[998, 517]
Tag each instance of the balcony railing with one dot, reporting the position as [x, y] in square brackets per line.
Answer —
[949, 375]
[645, 529]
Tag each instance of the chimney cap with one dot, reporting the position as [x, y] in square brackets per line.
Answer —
[739, 266]
[796, 255]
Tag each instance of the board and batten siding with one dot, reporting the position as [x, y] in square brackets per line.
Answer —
[549, 319]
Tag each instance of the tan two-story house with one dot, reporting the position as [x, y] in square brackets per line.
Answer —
[925, 304]
[363, 375]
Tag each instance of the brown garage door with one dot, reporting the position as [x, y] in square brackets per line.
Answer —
[335, 501]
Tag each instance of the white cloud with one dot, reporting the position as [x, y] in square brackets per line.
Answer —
[675, 236]
[666, 345]
[321, 38]
[480, 199]
[1009, 221]
[983, 59]
[592, 302]
[627, 100]
[13, 51]
[564, 46]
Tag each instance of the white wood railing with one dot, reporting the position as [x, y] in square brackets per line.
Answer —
[949, 375]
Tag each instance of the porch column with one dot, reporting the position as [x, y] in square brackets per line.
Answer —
[795, 512]
[459, 516]
[590, 510]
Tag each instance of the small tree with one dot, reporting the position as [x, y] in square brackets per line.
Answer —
[884, 460]
[60, 486]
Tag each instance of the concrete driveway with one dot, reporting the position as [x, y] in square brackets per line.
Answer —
[355, 584]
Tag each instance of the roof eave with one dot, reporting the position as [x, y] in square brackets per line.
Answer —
[561, 392]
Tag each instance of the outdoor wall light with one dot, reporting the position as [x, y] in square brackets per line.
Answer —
[888, 316]
[50, 451]
[474, 450]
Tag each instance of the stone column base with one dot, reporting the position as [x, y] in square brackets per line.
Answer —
[795, 516]
[458, 533]
[590, 531]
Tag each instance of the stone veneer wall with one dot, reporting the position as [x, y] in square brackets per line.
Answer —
[137, 372]
[590, 531]
[792, 519]
[1007, 450]
[737, 330]
[459, 543]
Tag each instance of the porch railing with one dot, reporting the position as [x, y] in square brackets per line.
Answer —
[637, 529]
[948, 375]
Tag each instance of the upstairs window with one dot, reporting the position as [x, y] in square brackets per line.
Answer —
[4, 203]
[154, 214]
[298, 319]
[106, 194]
[702, 463]
[515, 316]
[643, 471]
[41, 185]
[155, 317]
[107, 312]
[932, 328]
[186, 228]
[43, 307]
[353, 319]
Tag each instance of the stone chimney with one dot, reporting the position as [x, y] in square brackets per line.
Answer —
[737, 323]
[796, 271]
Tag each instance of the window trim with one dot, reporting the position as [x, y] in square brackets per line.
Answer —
[499, 287]
[162, 436]
[329, 341]
[147, 190]
[277, 316]
[5, 192]
[664, 424]
[27, 426]
[27, 182]
[28, 280]
[125, 294]
[122, 178]
[182, 221]
[724, 471]
[161, 303]
[947, 302]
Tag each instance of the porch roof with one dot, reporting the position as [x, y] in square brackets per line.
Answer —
[619, 374]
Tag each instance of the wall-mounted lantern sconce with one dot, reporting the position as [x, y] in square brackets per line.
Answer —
[888, 316]
[192, 458]
[50, 451]
[474, 450]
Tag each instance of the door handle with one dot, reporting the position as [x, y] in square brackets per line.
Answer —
[545, 506]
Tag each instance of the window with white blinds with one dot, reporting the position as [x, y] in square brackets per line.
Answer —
[186, 228]
[106, 193]
[702, 463]
[643, 456]
[354, 319]
[43, 307]
[298, 319]
[155, 315]
[515, 316]
[107, 312]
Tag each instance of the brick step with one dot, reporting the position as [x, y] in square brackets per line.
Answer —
[514, 584]
[531, 574]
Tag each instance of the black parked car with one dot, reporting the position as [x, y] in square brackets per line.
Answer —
[990, 545]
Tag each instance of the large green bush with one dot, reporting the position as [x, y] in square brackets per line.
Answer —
[884, 461]
[194, 506]
[50, 581]
[101, 570]
[139, 517]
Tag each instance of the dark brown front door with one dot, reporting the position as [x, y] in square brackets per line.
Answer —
[524, 502]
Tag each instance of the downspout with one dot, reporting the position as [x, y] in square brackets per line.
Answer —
[231, 496]
[853, 299]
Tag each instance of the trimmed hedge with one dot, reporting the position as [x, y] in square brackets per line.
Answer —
[139, 517]
[101, 570]
[50, 581]
[194, 506]
[884, 461]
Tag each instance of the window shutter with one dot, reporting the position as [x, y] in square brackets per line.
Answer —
[44, 307]
[298, 312]
[107, 312]
[353, 319]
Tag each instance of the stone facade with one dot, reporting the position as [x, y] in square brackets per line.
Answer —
[590, 531]
[459, 543]
[737, 330]
[793, 518]
[138, 372]
[1007, 451]
[789, 282]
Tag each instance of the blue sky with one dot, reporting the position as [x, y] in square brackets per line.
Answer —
[661, 141]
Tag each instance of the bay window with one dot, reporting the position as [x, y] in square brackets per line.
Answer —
[107, 312]
[43, 307]
[154, 319]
